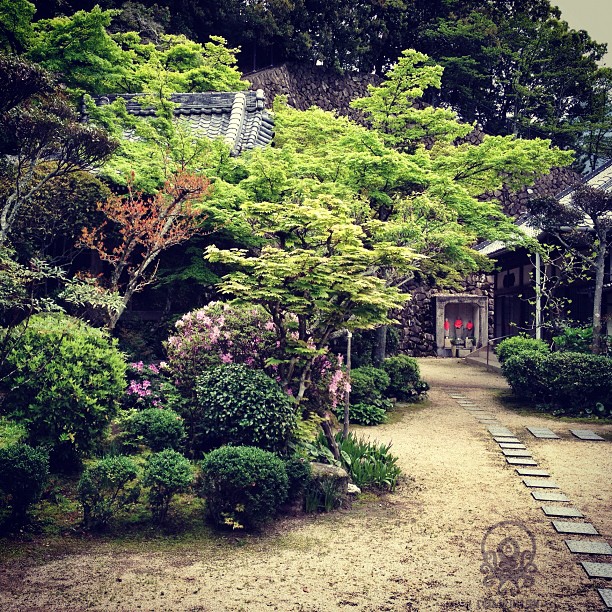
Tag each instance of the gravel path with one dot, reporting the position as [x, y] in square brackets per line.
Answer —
[418, 549]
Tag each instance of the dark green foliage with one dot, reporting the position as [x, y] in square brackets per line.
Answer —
[65, 382]
[525, 373]
[369, 465]
[519, 344]
[369, 413]
[299, 474]
[243, 486]
[24, 472]
[166, 474]
[574, 339]
[368, 383]
[106, 487]
[240, 406]
[405, 378]
[157, 428]
[562, 383]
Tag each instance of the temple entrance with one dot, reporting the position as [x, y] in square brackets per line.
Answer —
[461, 324]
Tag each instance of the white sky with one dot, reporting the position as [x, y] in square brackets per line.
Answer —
[594, 16]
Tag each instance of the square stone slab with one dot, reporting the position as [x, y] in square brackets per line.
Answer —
[542, 483]
[562, 511]
[586, 434]
[597, 570]
[512, 445]
[509, 439]
[527, 472]
[521, 461]
[516, 452]
[488, 421]
[588, 547]
[549, 496]
[606, 595]
[500, 431]
[543, 432]
[570, 527]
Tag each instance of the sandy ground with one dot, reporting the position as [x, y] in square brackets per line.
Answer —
[418, 549]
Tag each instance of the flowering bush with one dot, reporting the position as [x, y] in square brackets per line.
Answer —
[220, 334]
[149, 386]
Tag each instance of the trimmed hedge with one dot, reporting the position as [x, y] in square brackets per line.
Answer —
[368, 383]
[519, 344]
[157, 428]
[243, 485]
[405, 378]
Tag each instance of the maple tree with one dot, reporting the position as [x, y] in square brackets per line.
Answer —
[141, 228]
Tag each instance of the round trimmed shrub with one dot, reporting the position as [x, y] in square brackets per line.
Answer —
[167, 473]
[105, 487]
[299, 474]
[243, 485]
[24, 472]
[519, 344]
[525, 372]
[369, 414]
[66, 383]
[404, 378]
[368, 383]
[243, 407]
[157, 428]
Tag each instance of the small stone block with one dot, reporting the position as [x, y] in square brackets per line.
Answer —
[606, 595]
[541, 483]
[516, 452]
[487, 421]
[570, 527]
[527, 472]
[549, 496]
[586, 434]
[500, 431]
[512, 445]
[543, 432]
[509, 439]
[588, 547]
[597, 570]
[521, 461]
[562, 511]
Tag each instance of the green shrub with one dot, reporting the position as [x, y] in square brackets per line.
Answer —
[106, 487]
[405, 378]
[369, 465]
[156, 428]
[574, 339]
[243, 485]
[24, 472]
[65, 384]
[519, 344]
[576, 383]
[11, 432]
[167, 473]
[373, 413]
[368, 383]
[240, 406]
[299, 473]
[525, 373]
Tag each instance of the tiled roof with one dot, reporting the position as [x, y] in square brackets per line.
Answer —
[601, 178]
[238, 117]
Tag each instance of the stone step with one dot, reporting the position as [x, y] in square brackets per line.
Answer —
[521, 461]
[516, 452]
[586, 434]
[543, 432]
[549, 496]
[562, 511]
[541, 483]
[606, 595]
[572, 527]
[528, 472]
[597, 570]
[589, 547]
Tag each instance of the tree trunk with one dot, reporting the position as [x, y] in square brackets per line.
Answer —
[600, 268]
[331, 440]
[347, 402]
[380, 349]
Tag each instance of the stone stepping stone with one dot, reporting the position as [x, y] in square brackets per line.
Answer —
[606, 595]
[509, 439]
[527, 472]
[541, 483]
[597, 570]
[571, 527]
[457, 396]
[562, 511]
[521, 461]
[512, 445]
[516, 452]
[543, 432]
[500, 431]
[586, 434]
[588, 547]
[488, 421]
[549, 496]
